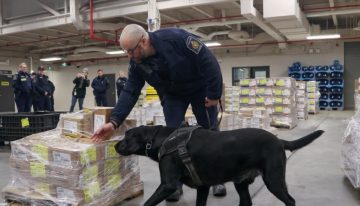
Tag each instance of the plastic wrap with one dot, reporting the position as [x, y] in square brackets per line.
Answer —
[350, 152]
[64, 167]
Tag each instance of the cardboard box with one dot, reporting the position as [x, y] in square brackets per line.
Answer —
[78, 124]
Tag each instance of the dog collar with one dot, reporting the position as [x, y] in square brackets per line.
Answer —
[148, 147]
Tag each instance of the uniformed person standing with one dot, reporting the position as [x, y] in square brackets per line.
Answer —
[43, 87]
[100, 85]
[22, 85]
[182, 70]
[34, 93]
[120, 83]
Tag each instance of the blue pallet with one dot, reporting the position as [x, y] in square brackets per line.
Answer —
[324, 89]
[337, 75]
[322, 75]
[336, 82]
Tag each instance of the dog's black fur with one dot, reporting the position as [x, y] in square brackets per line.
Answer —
[218, 157]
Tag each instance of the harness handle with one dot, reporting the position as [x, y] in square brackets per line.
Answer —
[221, 115]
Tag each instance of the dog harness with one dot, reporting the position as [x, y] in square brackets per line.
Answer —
[177, 142]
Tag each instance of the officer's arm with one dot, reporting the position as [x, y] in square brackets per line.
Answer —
[16, 83]
[94, 85]
[209, 67]
[87, 82]
[128, 97]
[38, 87]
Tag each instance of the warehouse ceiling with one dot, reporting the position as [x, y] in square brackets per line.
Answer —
[62, 27]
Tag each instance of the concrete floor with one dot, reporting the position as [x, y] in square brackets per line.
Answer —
[313, 173]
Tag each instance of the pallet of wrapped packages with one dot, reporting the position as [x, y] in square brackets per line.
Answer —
[301, 100]
[72, 170]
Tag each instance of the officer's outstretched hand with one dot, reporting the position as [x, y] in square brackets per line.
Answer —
[211, 102]
[103, 133]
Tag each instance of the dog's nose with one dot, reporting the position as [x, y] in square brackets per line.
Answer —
[120, 148]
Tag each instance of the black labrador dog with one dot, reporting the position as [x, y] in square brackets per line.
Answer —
[238, 155]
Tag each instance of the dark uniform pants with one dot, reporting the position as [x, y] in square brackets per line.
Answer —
[101, 100]
[23, 102]
[43, 103]
[174, 108]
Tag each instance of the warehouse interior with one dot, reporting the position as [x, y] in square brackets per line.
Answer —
[271, 34]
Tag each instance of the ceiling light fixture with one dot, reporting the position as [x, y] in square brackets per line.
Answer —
[210, 44]
[50, 59]
[115, 52]
[325, 36]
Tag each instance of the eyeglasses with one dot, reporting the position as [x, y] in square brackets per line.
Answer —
[130, 51]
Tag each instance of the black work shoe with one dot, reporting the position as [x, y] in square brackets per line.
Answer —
[174, 197]
[219, 190]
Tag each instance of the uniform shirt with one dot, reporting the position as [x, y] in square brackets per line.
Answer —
[120, 83]
[42, 84]
[100, 85]
[22, 83]
[182, 66]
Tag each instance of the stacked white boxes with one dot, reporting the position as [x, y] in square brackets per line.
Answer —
[231, 94]
[301, 99]
[284, 93]
[313, 96]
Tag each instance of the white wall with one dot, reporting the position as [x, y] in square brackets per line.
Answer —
[62, 77]
[278, 63]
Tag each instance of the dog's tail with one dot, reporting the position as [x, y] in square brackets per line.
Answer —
[302, 142]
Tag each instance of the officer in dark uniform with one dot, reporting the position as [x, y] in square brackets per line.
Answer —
[120, 83]
[43, 87]
[52, 91]
[22, 85]
[182, 70]
[34, 92]
[100, 85]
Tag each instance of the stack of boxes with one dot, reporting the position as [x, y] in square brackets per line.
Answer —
[231, 95]
[284, 99]
[301, 100]
[64, 167]
[313, 96]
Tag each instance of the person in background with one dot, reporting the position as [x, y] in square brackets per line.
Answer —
[78, 94]
[43, 87]
[35, 94]
[100, 85]
[52, 90]
[22, 85]
[181, 69]
[120, 83]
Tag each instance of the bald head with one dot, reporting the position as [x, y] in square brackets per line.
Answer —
[131, 34]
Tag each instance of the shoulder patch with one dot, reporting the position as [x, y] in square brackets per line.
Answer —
[194, 44]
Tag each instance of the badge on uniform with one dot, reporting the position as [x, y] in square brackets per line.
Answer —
[194, 44]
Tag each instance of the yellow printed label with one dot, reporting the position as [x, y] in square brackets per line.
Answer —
[41, 150]
[37, 169]
[260, 100]
[311, 101]
[42, 188]
[278, 100]
[91, 191]
[110, 150]
[5, 84]
[25, 122]
[90, 173]
[89, 155]
[244, 82]
[278, 92]
[311, 89]
[245, 100]
[280, 82]
[112, 166]
[263, 81]
[245, 91]
[279, 109]
[114, 181]
[311, 95]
